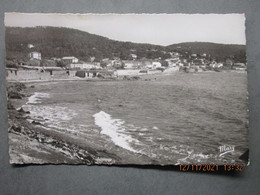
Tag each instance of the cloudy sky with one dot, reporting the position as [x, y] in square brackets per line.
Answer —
[160, 29]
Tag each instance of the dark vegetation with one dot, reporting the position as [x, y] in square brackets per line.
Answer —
[59, 42]
[14, 90]
[219, 52]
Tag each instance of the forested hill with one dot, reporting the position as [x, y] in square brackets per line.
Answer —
[217, 51]
[59, 42]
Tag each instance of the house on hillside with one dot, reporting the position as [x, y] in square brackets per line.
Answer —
[35, 55]
[214, 64]
[173, 62]
[70, 59]
[156, 65]
[219, 65]
[30, 46]
[82, 66]
[174, 54]
[239, 66]
[131, 64]
[134, 56]
[117, 63]
[92, 59]
[105, 60]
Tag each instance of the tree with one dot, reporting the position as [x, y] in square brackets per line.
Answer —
[165, 56]
[103, 64]
[11, 64]
[164, 63]
[62, 63]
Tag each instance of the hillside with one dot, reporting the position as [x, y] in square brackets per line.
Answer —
[217, 51]
[59, 42]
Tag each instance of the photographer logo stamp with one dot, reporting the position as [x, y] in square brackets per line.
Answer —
[225, 149]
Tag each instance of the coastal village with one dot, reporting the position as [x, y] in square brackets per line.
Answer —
[74, 97]
[112, 68]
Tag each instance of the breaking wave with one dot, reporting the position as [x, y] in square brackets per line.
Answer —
[50, 116]
[36, 97]
[115, 129]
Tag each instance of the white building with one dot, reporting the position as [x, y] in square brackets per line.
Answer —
[116, 63]
[180, 64]
[82, 66]
[214, 64]
[70, 59]
[174, 54]
[219, 65]
[156, 65]
[172, 62]
[30, 45]
[131, 64]
[239, 66]
[134, 56]
[128, 65]
[92, 59]
[35, 55]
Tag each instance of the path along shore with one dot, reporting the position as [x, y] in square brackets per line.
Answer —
[26, 76]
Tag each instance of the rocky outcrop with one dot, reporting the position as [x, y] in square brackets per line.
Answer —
[14, 90]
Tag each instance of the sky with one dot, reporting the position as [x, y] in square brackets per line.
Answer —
[159, 29]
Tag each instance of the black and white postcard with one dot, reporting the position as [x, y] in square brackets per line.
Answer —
[133, 89]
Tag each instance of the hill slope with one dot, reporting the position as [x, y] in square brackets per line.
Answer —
[59, 42]
[218, 51]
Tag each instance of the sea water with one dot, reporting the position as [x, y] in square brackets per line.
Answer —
[169, 119]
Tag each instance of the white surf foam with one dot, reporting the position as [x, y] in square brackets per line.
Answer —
[155, 128]
[52, 113]
[115, 129]
[36, 97]
[192, 156]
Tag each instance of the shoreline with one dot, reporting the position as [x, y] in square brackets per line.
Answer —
[30, 142]
[121, 77]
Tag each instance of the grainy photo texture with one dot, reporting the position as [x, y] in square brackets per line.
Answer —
[143, 89]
